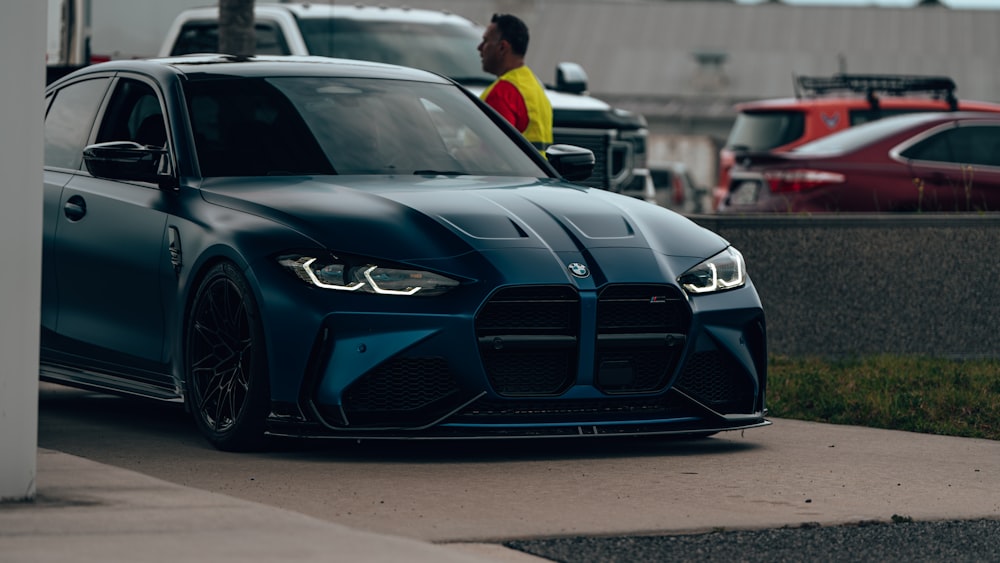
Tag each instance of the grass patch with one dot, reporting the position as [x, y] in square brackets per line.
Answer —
[916, 394]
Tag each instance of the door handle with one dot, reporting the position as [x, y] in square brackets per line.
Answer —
[75, 208]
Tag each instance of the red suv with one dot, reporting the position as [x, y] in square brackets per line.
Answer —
[824, 105]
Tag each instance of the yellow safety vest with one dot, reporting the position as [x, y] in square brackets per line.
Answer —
[539, 130]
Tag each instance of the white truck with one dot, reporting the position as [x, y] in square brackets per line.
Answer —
[441, 42]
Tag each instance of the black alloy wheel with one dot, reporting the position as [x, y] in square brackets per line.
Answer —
[226, 379]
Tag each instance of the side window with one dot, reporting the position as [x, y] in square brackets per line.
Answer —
[69, 120]
[971, 144]
[979, 144]
[197, 37]
[270, 40]
[937, 148]
[134, 114]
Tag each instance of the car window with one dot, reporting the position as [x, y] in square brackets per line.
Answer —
[859, 116]
[134, 114]
[69, 121]
[446, 49]
[761, 131]
[971, 144]
[310, 125]
[203, 37]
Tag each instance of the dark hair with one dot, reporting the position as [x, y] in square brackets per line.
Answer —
[512, 30]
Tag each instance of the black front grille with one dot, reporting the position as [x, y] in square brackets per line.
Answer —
[642, 308]
[528, 339]
[714, 379]
[530, 310]
[641, 331]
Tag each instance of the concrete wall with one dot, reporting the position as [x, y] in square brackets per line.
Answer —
[854, 285]
[22, 54]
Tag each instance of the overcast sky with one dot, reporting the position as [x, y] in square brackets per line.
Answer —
[963, 4]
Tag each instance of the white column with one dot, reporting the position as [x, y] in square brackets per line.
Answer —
[22, 68]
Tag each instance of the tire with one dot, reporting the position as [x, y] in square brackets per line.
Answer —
[226, 380]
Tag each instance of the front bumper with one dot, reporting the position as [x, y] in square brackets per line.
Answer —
[539, 361]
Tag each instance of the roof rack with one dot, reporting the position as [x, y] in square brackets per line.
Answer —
[873, 84]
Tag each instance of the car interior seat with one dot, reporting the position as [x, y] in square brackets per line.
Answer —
[151, 132]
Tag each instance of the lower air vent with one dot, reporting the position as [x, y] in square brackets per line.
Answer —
[714, 379]
[401, 391]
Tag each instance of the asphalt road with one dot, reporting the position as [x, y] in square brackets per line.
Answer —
[787, 489]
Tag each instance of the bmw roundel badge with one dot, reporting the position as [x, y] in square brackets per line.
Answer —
[579, 270]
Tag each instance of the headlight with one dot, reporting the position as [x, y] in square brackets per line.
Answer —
[330, 272]
[725, 270]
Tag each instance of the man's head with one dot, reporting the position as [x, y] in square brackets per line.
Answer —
[504, 44]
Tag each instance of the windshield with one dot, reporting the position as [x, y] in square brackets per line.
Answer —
[446, 49]
[327, 125]
[763, 131]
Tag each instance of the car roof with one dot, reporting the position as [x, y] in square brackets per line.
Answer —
[858, 102]
[881, 129]
[924, 118]
[309, 10]
[263, 65]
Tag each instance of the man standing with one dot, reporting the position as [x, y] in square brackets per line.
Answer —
[516, 94]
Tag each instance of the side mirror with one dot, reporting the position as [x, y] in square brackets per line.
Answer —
[570, 77]
[571, 162]
[126, 160]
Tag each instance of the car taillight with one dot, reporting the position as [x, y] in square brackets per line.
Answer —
[801, 180]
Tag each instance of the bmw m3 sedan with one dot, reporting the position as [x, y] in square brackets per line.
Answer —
[314, 247]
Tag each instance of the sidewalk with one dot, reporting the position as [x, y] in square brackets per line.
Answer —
[87, 512]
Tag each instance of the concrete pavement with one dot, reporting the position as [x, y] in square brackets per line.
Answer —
[87, 512]
[789, 474]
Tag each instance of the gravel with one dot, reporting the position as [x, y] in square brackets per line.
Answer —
[902, 541]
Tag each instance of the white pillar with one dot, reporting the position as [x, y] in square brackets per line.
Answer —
[22, 68]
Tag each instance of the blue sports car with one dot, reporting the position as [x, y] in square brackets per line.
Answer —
[321, 247]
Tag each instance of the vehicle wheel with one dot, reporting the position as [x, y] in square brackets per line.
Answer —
[226, 380]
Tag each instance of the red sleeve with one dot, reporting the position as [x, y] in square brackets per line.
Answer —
[508, 101]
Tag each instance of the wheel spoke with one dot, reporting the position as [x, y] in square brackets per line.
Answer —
[223, 345]
[221, 358]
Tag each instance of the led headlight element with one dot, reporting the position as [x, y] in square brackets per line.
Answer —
[336, 274]
[725, 270]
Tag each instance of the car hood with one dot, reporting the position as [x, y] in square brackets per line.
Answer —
[410, 220]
